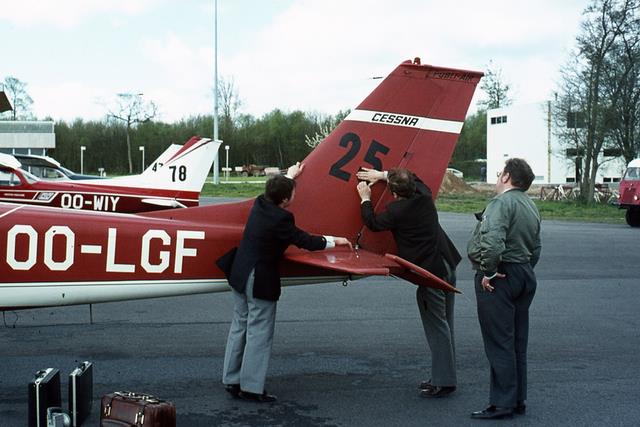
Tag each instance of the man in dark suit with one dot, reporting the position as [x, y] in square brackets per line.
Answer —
[255, 280]
[413, 220]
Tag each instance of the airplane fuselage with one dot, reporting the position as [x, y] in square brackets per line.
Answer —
[104, 199]
[46, 260]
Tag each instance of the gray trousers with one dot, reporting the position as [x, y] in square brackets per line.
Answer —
[248, 351]
[436, 310]
[504, 322]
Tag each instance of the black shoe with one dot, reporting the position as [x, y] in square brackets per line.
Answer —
[436, 391]
[520, 408]
[255, 397]
[425, 385]
[232, 389]
[493, 413]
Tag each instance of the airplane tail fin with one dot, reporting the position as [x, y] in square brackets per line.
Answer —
[412, 120]
[180, 168]
[188, 168]
[162, 159]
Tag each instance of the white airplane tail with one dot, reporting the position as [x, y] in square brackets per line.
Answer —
[183, 169]
[187, 170]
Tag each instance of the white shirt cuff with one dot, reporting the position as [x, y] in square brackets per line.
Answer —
[331, 243]
[386, 174]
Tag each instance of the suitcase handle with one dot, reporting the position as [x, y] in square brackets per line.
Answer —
[145, 397]
[139, 418]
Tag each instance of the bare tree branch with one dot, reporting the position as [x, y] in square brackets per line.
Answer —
[132, 109]
[16, 91]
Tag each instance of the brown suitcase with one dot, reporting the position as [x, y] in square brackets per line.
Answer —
[127, 409]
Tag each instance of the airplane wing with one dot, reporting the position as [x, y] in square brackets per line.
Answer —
[364, 263]
[359, 262]
[9, 161]
[419, 276]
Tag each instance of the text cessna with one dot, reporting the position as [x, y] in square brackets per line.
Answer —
[27, 248]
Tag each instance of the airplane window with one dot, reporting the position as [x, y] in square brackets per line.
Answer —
[36, 170]
[632, 174]
[30, 178]
[14, 180]
[4, 177]
[50, 173]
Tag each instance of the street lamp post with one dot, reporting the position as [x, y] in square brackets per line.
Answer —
[216, 160]
[82, 149]
[226, 169]
[141, 148]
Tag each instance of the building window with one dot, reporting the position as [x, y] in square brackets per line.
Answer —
[612, 152]
[572, 152]
[570, 179]
[575, 120]
[498, 120]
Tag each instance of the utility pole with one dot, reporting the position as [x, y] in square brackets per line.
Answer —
[216, 160]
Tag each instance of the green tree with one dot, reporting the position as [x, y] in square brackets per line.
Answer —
[622, 88]
[594, 84]
[472, 145]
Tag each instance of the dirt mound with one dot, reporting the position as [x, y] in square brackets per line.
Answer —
[451, 184]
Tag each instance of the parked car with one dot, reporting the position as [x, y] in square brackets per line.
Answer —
[45, 167]
[456, 172]
[250, 170]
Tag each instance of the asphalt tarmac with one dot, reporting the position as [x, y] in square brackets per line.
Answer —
[354, 355]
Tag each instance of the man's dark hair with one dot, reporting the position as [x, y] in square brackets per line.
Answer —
[278, 188]
[401, 182]
[520, 172]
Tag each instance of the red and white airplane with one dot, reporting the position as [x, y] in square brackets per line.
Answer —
[412, 119]
[175, 179]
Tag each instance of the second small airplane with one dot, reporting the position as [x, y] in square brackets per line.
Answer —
[174, 180]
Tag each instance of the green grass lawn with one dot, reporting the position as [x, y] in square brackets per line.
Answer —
[232, 189]
[563, 210]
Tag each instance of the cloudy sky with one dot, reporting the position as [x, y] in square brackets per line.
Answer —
[313, 55]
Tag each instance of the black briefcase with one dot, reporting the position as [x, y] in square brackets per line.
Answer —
[80, 393]
[44, 392]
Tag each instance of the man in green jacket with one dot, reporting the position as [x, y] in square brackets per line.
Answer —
[504, 249]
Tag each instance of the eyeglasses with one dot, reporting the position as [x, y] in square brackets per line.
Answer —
[498, 174]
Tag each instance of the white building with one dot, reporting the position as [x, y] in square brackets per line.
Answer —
[26, 137]
[527, 131]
